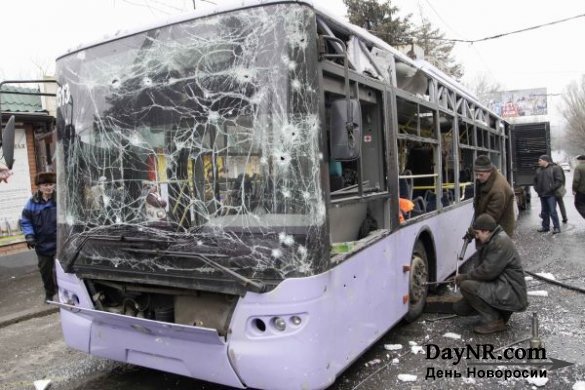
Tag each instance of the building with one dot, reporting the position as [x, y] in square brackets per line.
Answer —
[33, 148]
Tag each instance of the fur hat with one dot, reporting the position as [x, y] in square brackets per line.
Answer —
[45, 178]
[483, 164]
[581, 157]
[545, 157]
[484, 222]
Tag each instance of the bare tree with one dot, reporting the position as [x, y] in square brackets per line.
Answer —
[574, 112]
[484, 87]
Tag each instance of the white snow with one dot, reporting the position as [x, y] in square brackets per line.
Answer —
[528, 278]
[396, 361]
[538, 293]
[451, 335]
[392, 347]
[42, 384]
[412, 343]
[407, 377]
[580, 385]
[546, 275]
[415, 349]
[537, 381]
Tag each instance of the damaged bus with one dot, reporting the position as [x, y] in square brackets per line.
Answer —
[229, 191]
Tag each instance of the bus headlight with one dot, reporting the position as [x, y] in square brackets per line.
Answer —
[295, 320]
[279, 323]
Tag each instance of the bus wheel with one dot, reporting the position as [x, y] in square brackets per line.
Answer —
[417, 286]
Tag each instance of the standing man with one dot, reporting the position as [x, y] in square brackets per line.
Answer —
[546, 182]
[495, 288]
[39, 225]
[560, 193]
[493, 194]
[579, 185]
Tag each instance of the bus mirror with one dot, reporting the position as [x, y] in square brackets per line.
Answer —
[7, 140]
[346, 130]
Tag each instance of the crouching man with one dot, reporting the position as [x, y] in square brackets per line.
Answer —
[495, 287]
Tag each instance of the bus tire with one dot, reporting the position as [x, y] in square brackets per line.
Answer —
[417, 284]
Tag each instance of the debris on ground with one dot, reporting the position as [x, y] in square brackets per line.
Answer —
[539, 382]
[546, 275]
[451, 335]
[407, 377]
[538, 293]
[42, 384]
[373, 362]
[580, 385]
[392, 347]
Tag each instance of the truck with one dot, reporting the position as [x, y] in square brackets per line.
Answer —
[529, 141]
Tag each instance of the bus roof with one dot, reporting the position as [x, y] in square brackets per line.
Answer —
[321, 11]
[195, 14]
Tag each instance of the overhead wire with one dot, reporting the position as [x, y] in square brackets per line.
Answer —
[494, 36]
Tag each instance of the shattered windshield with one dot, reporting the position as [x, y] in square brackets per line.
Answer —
[202, 133]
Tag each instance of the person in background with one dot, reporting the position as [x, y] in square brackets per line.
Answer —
[493, 195]
[495, 288]
[39, 225]
[579, 185]
[560, 193]
[547, 181]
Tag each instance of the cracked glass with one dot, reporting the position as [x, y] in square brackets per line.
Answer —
[192, 147]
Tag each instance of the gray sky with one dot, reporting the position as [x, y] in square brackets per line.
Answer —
[548, 57]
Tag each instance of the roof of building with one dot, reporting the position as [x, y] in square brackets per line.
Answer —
[20, 103]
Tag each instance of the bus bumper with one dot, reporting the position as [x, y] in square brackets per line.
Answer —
[185, 350]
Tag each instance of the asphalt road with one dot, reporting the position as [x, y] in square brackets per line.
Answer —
[34, 349]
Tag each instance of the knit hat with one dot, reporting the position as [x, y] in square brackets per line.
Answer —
[483, 164]
[45, 178]
[484, 222]
[581, 157]
[546, 158]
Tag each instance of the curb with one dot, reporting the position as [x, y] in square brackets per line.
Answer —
[26, 315]
[13, 248]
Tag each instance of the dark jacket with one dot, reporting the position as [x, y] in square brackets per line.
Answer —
[496, 198]
[39, 218]
[548, 180]
[500, 269]
[579, 178]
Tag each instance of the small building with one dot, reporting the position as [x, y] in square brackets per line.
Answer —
[33, 149]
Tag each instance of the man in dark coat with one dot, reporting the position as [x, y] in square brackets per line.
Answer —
[495, 287]
[547, 181]
[579, 185]
[39, 225]
[493, 195]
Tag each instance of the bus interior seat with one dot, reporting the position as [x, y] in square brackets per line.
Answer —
[405, 185]
[336, 181]
[420, 206]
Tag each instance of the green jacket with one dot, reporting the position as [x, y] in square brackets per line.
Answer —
[496, 198]
[500, 269]
[579, 178]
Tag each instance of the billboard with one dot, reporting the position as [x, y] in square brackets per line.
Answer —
[519, 103]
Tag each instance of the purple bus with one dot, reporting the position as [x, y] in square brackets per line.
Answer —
[230, 187]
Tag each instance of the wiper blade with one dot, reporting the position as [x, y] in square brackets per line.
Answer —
[246, 282]
[69, 265]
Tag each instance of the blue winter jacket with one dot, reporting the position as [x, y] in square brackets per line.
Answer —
[39, 218]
